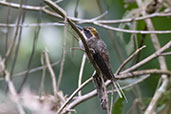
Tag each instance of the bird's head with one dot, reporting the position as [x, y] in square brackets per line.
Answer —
[89, 32]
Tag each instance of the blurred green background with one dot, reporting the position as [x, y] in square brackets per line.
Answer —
[51, 38]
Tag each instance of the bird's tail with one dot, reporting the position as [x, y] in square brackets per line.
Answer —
[100, 91]
[119, 90]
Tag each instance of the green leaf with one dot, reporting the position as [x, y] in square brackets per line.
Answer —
[118, 106]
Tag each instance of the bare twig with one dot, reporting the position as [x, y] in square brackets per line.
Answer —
[166, 53]
[63, 56]
[73, 94]
[77, 48]
[156, 54]
[142, 72]
[13, 92]
[36, 34]
[93, 19]
[51, 72]
[16, 32]
[41, 90]
[32, 24]
[75, 10]
[128, 59]
[32, 70]
[81, 72]
[19, 41]
[133, 19]
[132, 31]
[15, 5]
[159, 92]
[7, 33]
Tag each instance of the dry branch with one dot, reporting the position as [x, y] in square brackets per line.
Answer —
[161, 60]
[43, 8]
[51, 72]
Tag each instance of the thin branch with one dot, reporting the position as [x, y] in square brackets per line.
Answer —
[133, 19]
[77, 48]
[166, 53]
[32, 24]
[35, 39]
[75, 10]
[7, 33]
[93, 19]
[32, 70]
[142, 72]
[132, 31]
[8, 52]
[15, 5]
[159, 92]
[18, 43]
[13, 92]
[81, 72]
[41, 90]
[156, 54]
[51, 72]
[63, 56]
[73, 94]
[128, 59]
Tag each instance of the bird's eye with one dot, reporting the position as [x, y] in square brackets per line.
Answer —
[87, 33]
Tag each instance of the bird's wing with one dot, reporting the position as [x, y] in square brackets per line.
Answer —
[101, 57]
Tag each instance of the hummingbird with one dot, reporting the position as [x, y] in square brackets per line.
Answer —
[100, 56]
